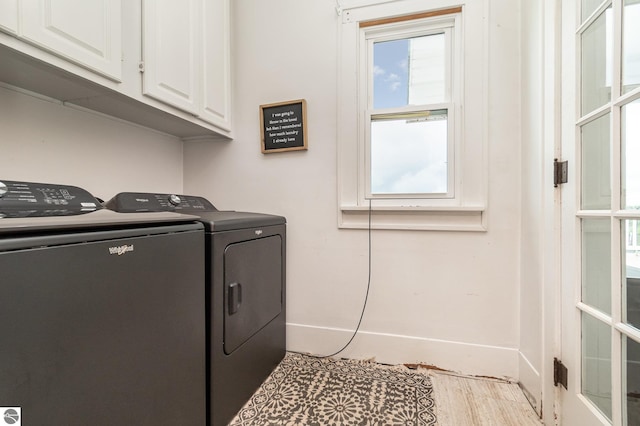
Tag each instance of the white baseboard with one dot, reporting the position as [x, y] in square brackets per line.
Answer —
[530, 382]
[460, 357]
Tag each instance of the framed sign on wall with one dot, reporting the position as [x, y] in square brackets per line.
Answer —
[283, 126]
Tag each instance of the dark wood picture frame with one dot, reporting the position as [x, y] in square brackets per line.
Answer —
[283, 126]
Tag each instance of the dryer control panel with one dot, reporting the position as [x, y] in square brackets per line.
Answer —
[130, 202]
[30, 199]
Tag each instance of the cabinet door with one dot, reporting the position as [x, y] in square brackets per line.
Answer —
[217, 85]
[171, 50]
[85, 32]
[9, 16]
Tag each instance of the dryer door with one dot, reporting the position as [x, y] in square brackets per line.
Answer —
[252, 288]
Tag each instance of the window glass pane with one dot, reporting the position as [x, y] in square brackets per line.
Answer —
[588, 7]
[596, 190]
[633, 381]
[596, 363]
[427, 70]
[630, 135]
[596, 63]
[631, 272]
[596, 263]
[630, 45]
[409, 155]
[409, 71]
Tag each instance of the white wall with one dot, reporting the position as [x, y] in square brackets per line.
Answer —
[444, 298]
[43, 141]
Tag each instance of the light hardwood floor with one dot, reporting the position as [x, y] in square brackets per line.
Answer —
[471, 401]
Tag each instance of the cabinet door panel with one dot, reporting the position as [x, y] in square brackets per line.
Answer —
[217, 85]
[9, 16]
[85, 32]
[171, 52]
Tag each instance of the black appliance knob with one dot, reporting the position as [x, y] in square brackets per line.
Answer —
[174, 199]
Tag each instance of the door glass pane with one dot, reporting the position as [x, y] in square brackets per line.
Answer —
[588, 7]
[409, 155]
[596, 60]
[596, 190]
[631, 273]
[409, 71]
[596, 363]
[630, 45]
[630, 133]
[596, 263]
[632, 366]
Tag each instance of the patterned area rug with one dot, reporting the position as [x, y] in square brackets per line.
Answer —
[305, 390]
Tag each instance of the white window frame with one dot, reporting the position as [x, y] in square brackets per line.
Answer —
[464, 207]
[446, 25]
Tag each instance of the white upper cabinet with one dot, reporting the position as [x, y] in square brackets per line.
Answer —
[171, 52]
[216, 49]
[9, 16]
[85, 32]
[186, 57]
[163, 64]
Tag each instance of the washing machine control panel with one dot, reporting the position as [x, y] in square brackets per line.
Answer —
[31, 199]
[129, 202]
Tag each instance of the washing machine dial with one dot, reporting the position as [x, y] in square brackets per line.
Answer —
[174, 199]
[3, 189]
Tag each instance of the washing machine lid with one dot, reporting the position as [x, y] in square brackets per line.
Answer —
[97, 220]
[232, 220]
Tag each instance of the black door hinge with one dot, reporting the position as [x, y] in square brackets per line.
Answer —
[560, 172]
[560, 373]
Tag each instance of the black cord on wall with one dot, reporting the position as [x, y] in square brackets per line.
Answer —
[364, 306]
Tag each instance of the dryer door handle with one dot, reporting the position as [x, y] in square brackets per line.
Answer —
[234, 296]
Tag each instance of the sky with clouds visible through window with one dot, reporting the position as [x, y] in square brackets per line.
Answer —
[402, 160]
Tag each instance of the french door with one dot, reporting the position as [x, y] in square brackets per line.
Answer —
[601, 212]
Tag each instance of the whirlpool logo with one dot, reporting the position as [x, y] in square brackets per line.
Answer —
[120, 250]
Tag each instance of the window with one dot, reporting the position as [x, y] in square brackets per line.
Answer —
[409, 116]
[404, 82]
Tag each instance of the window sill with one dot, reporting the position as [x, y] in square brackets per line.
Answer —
[468, 218]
